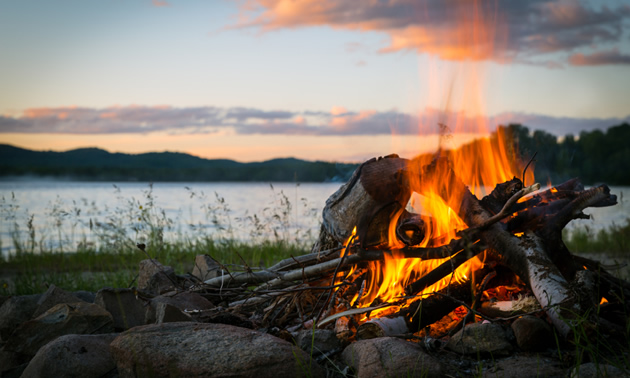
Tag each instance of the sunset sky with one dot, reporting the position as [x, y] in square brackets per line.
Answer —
[340, 80]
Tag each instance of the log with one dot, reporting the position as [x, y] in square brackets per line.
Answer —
[377, 192]
[526, 256]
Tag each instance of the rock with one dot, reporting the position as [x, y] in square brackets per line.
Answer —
[482, 338]
[206, 268]
[3, 298]
[592, 370]
[181, 301]
[12, 363]
[84, 295]
[198, 349]
[127, 309]
[73, 356]
[15, 372]
[533, 334]
[390, 357]
[320, 340]
[52, 297]
[15, 311]
[62, 319]
[155, 278]
[525, 367]
[166, 313]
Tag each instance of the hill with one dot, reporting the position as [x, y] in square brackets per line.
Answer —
[93, 164]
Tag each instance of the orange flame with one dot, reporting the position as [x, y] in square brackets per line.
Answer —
[479, 165]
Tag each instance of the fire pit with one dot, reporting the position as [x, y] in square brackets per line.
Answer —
[408, 249]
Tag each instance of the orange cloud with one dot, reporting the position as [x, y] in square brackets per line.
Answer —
[454, 29]
[158, 3]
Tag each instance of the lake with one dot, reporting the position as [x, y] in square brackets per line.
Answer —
[62, 215]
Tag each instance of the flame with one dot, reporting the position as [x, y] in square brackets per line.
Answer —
[603, 301]
[479, 165]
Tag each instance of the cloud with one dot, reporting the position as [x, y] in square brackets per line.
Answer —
[612, 56]
[522, 31]
[339, 121]
[158, 3]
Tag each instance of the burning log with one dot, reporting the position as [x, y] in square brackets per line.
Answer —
[528, 256]
[510, 227]
[377, 192]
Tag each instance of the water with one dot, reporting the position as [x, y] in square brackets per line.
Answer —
[65, 215]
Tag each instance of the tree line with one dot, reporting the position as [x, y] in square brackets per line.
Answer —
[594, 156]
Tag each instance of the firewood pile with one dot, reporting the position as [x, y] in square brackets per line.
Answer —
[378, 269]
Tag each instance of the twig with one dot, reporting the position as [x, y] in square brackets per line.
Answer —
[528, 163]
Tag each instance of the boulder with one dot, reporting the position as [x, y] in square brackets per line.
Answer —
[483, 339]
[73, 356]
[390, 357]
[206, 268]
[155, 278]
[317, 340]
[198, 349]
[52, 297]
[525, 366]
[62, 319]
[533, 334]
[166, 313]
[12, 363]
[126, 307]
[15, 311]
[84, 295]
[181, 301]
[593, 370]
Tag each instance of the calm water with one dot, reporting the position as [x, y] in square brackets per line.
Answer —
[64, 214]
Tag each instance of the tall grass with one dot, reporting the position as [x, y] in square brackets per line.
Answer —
[86, 253]
[615, 239]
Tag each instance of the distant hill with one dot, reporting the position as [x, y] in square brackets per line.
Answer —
[93, 164]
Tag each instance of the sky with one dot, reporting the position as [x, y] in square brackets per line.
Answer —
[332, 80]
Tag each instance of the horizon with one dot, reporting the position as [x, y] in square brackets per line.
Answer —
[315, 80]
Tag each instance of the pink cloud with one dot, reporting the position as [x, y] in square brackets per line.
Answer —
[158, 3]
[455, 30]
[612, 56]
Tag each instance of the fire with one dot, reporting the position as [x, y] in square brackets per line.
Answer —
[479, 165]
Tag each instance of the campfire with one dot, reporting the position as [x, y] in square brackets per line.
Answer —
[416, 249]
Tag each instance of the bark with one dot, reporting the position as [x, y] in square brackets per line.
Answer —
[377, 192]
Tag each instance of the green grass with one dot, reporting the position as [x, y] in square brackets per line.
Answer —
[615, 239]
[29, 273]
[108, 256]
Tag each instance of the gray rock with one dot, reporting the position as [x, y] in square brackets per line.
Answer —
[199, 349]
[73, 356]
[206, 268]
[155, 278]
[184, 301]
[525, 367]
[15, 311]
[390, 357]
[15, 372]
[52, 297]
[63, 319]
[84, 295]
[127, 309]
[482, 338]
[533, 334]
[166, 313]
[592, 370]
[320, 340]
[12, 361]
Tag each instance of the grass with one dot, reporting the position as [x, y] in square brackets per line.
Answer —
[615, 239]
[108, 255]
